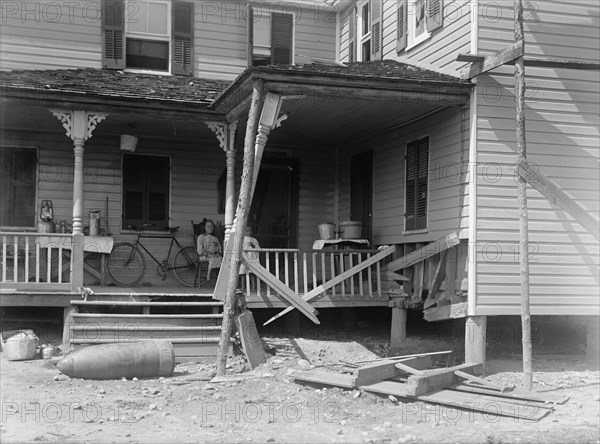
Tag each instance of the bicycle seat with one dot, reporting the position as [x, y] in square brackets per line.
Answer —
[172, 229]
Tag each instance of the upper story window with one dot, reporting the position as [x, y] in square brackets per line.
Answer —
[416, 20]
[364, 31]
[150, 35]
[18, 174]
[270, 37]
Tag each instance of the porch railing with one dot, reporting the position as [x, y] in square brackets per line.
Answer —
[302, 271]
[37, 261]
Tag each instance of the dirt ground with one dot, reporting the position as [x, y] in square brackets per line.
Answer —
[39, 405]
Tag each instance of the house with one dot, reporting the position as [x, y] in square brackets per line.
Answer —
[369, 117]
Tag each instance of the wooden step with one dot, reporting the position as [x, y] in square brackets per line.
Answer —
[147, 320]
[148, 303]
[116, 332]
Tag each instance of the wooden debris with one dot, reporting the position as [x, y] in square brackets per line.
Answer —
[251, 341]
[328, 378]
[446, 352]
[432, 380]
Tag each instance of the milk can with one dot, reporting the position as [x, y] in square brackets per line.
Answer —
[94, 222]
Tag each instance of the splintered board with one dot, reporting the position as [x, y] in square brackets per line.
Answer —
[473, 402]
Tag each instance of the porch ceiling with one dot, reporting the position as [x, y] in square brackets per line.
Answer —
[338, 104]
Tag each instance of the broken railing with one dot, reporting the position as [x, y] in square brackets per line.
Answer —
[40, 261]
[303, 271]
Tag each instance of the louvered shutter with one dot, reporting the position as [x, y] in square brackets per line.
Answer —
[401, 25]
[422, 183]
[435, 16]
[282, 38]
[182, 54]
[250, 36]
[411, 186]
[352, 36]
[113, 31]
[18, 185]
[376, 29]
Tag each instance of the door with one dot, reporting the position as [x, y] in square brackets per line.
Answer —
[274, 211]
[361, 192]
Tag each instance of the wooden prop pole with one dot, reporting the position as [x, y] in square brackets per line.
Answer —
[258, 94]
[522, 198]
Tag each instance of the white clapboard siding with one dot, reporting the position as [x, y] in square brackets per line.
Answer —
[221, 41]
[50, 35]
[448, 200]
[562, 141]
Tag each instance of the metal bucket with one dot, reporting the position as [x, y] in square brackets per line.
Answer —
[326, 231]
[350, 229]
[20, 345]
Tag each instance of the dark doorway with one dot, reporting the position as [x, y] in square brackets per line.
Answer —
[274, 211]
[361, 192]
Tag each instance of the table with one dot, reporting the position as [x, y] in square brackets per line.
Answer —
[102, 245]
[319, 244]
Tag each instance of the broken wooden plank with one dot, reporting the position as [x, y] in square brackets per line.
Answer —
[432, 380]
[472, 402]
[327, 378]
[452, 311]
[558, 197]
[285, 292]
[445, 352]
[251, 341]
[336, 280]
[375, 372]
[543, 397]
[478, 380]
[436, 281]
[502, 57]
[407, 368]
[423, 253]
[392, 276]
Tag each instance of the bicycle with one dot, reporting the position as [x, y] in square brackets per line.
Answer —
[126, 264]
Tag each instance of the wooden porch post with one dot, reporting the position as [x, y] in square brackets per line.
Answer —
[79, 126]
[225, 133]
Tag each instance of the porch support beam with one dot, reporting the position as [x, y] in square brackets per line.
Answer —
[475, 339]
[79, 126]
[225, 133]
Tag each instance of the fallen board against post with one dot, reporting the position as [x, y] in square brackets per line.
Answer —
[251, 341]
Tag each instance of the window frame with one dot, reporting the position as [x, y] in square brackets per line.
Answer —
[417, 228]
[413, 40]
[361, 36]
[270, 11]
[168, 38]
[33, 226]
[124, 223]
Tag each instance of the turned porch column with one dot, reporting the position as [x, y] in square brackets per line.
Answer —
[79, 126]
[225, 133]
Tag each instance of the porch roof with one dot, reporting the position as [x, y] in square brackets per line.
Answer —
[337, 79]
[104, 87]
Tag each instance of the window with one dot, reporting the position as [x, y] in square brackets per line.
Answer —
[364, 31]
[152, 35]
[270, 38]
[416, 20]
[416, 186]
[18, 184]
[146, 189]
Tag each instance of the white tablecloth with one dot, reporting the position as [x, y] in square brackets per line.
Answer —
[319, 244]
[92, 244]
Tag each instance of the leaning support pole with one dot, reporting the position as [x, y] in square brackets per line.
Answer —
[240, 223]
[522, 198]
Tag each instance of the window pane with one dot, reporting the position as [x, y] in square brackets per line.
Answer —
[147, 54]
[366, 19]
[158, 14]
[136, 16]
[366, 51]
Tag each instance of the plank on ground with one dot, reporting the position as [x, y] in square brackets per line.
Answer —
[328, 378]
[432, 380]
[526, 396]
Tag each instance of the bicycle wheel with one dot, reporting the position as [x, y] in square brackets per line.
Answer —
[126, 265]
[185, 266]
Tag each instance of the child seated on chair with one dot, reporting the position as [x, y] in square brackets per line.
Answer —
[209, 248]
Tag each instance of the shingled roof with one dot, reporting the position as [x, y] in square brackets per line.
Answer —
[106, 83]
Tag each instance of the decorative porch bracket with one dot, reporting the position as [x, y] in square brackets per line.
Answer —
[79, 126]
[225, 133]
[338, 279]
